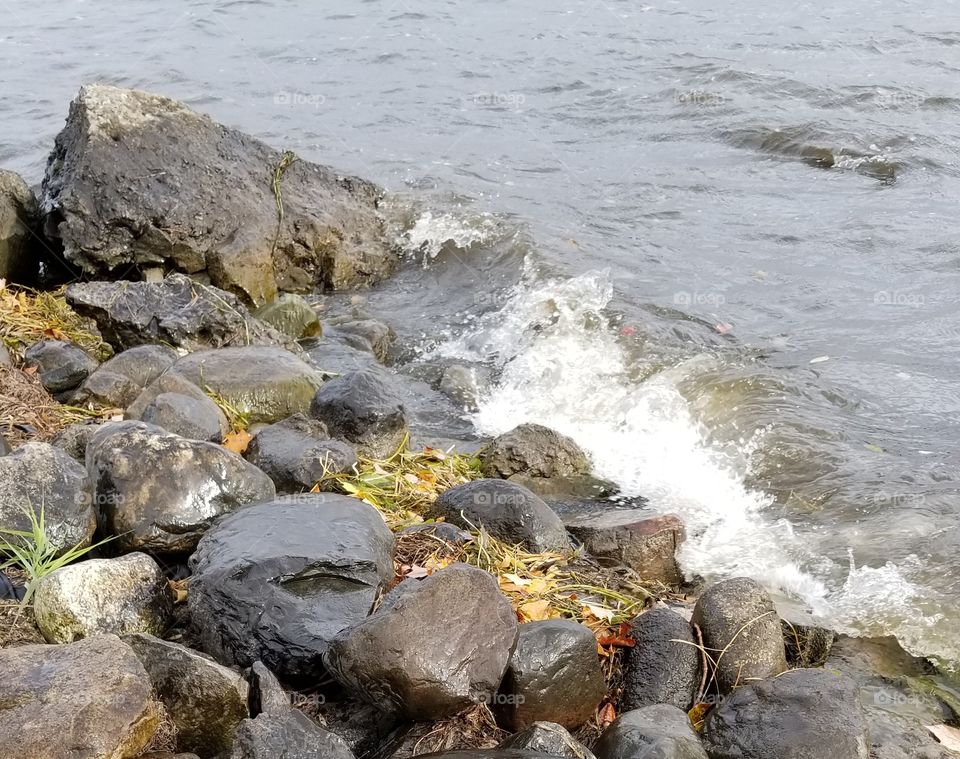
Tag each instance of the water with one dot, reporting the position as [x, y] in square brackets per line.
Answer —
[717, 244]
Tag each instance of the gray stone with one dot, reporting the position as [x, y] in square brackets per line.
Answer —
[286, 736]
[461, 385]
[18, 222]
[659, 668]
[508, 511]
[73, 440]
[794, 716]
[363, 333]
[159, 492]
[646, 544]
[124, 595]
[86, 700]
[808, 643]
[195, 418]
[291, 315]
[118, 381]
[738, 617]
[176, 311]
[653, 732]
[61, 366]
[177, 385]
[106, 388]
[534, 450]
[5, 358]
[139, 179]
[277, 581]
[43, 479]
[297, 453]
[360, 408]
[434, 647]
[444, 531]
[267, 695]
[205, 700]
[554, 675]
[547, 738]
[365, 728]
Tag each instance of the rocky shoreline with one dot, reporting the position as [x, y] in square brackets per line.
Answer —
[230, 537]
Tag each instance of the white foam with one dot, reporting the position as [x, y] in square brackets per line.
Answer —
[430, 232]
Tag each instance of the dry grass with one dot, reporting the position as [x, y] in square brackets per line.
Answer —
[165, 739]
[472, 729]
[17, 625]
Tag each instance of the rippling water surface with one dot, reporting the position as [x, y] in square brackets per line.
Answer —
[717, 243]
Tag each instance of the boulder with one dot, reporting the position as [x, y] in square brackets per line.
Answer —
[169, 382]
[118, 381]
[738, 617]
[808, 643]
[793, 716]
[646, 544]
[547, 738]
[18, 222]
[432, 648]
[106, 388]
[554, 675]
[73, 440]
[291, 315]
[195, 417]
[653, 732]
[297, 453]
[159, 492]
[663, 667]
[508, 511]
[277, 581]
[205, 700]
[267, 695]
[362, 332]
[176, 311]
[138, 180]
[124, 595]
[534, 450]
[290, 735]
[365, 728]
[86, 700]
[61, 366]
[266, 384]
[360, 408]
[44, 479]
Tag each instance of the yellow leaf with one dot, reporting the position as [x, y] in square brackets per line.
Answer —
[536, 611]
[237, 441]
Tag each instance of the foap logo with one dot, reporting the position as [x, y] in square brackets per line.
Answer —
[512, 100]
[298, 99]
[499, 499]
[699, 98]
[500, 699]
[906, 101]
[897, 499]
[897, 298]
[685, 298]
[307, 700]
[891, 698]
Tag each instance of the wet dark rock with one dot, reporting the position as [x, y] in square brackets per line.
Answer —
[333, 357]
[534, 450]
[432, 648]
[580, 495]
[659, 669]
[462, 385]
[73, 440]
[265, 383]
[277, 581]
[45, 690]
[19, 260]
[211, 209]
[554, 675]
[646, 544]
[291, 315]
[290, 735]
[653, 732]
[547, 738]
[360, 408]
[267, 695]
[61, 366]
[38, 476]
[118, 382]
[363, 333]
[364, 727]
[738, 616]
[124, 595]
[807, 643]
[159, 492]
[297, 453]
[176, 311]
[793, 716]
[195, 418]
[205, 700]
[169, 382]
[508, 511]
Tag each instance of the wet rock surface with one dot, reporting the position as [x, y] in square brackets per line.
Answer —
[158, 492]
[276, 581]
[289, 735]
[658, 669]
[73, 440]
[195, 417]
[362, 332]
[61, 366]
[658, 732]
[19, 259]
[118, 381]
[534, 450]
[547, 738]
[432, 648]
[291, 315]
[267, 695]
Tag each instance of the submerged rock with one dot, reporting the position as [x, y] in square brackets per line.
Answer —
[159, 492]
[291, 315]
[128, 594]
[61, 366]
[658, 732]
[547, 738]
[432, 648]
[19, 261]
[533, 450]
[289, 735]
[86, 700]
[663, 667]
[138, 180]
[276, 581]
[362, 332]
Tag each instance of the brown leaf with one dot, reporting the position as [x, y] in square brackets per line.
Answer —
[237, 441]
[607, 714]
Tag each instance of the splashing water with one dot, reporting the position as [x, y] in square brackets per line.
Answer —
[430, 233]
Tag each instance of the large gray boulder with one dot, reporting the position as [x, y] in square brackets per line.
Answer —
[276, 581]
[176, 311]
[533, 450]
[139, 180]
[506, 510]
[802, 714]
[289, 735]
[434, 647]
[159, 492]
[737, 617]
[128, 594]
[86, 700]
[205, 700]
[653, 732]
[41, 478]
[18, 222]
[663, 667]
[554, 675]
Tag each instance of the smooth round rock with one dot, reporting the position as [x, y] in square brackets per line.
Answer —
[653, 732]
[663, 667]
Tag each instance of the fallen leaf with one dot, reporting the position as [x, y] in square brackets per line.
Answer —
[622, 639]
[607, 714]
[237, 441]
[516, 579]
[536, 611]
[697, 714]
[598, 612]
